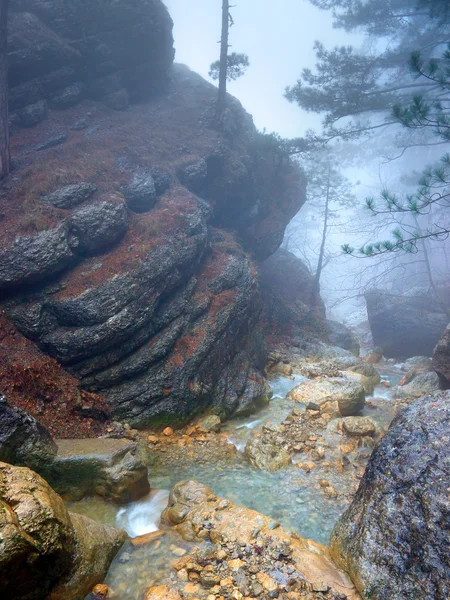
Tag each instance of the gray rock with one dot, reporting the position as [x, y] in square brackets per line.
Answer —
[68, 96]
[118, 100]
[22, 95]
[23, 440]
[99, 226]
[80, 125]
[33, 114]
[194, 176]
[358, 426]
[140, 194]
[70, 195]
[418, 364]
[441, 358]
[342, 336]
[421, 385]
[108, 468]
[31, 259]
[209, 423]
[405, 326]
[352, 399]
[163, 180]
[394, 540]
[51, 142]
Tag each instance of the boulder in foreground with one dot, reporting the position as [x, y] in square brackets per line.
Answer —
[394, 539]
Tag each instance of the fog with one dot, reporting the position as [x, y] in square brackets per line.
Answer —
[279, 41]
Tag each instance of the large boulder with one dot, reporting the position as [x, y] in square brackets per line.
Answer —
[62, 52]
[336, 396]
[44, 553]
[394, 540]
[108, 468]
[441, 358]
[405, 326]
[23, 440]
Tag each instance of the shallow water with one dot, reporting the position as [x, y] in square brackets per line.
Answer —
[290, 496]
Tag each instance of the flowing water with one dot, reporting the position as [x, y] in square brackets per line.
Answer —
[289, 496]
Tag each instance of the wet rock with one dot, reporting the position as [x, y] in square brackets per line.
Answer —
[366, 374]
[96, 546]
[423, 384]
[80, 125]
[27, 93]
[335, 395]
[140, 194]
[441, 358]
[405, 326]
[37, 542]
[374, 356]
[70, 196]
[263, 453]
[251, 554]
[162, 592]
[358, 426]
[162, 180]
[51, 142]
[99, 226]
[31, 259]
[418, 364]
[209, 423]
[342, 336]
[23, 440]
[392, 540]
[68, 96]
[108, 468]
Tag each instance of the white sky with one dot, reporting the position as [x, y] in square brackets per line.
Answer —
[278, 36]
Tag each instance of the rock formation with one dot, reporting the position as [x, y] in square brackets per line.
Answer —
[394, 539]
[131, 239]
[405, 326]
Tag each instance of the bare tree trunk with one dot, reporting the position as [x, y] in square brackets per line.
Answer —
[320, 262]
[221, 100]
[5, 160]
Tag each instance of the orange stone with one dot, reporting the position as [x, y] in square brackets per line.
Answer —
[168, 431]
[101, 590]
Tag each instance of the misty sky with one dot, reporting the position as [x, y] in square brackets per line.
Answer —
[277, 35]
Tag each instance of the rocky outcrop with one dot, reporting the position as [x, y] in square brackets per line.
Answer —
[286, 288]
[405, 326]
[392, 540]
[341, 336]
[62, 52]
[44, 553]
[270, 563]
[441, 358]
[108, 468]
[23, 440]
[147, 289]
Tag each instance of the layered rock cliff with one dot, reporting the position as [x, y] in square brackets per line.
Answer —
[131, 240]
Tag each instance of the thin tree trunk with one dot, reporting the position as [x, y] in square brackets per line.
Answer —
[433, 285]
[221, 99]
[5, 159]
[316, 285]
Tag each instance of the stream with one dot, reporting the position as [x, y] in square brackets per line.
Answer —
[289, 496]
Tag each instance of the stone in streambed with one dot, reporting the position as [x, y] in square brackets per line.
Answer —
[358, 426]
[209, 423]
[263, 453]
[335, 395]
[108, 468]
[425, 383]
